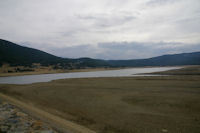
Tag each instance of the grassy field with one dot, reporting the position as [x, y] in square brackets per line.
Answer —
[120, 105]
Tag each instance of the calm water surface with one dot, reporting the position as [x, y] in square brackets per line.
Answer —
[28, 79]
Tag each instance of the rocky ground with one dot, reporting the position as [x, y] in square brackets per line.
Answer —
[14, 120]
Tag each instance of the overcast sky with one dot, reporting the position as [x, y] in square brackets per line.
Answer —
[106, 29]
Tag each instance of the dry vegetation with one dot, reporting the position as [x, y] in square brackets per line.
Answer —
[7, 70]
[120, 105]
[187, 70]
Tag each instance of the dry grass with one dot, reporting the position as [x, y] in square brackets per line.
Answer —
[187, 70]
[120, 105]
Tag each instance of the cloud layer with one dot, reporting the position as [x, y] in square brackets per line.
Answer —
[82, 25]
[124, 50]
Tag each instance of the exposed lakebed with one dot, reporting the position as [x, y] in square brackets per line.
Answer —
[28, 79]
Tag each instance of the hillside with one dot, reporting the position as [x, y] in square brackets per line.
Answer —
[17, 55]
[165, 60]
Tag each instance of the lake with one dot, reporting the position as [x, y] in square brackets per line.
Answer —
[28, 79]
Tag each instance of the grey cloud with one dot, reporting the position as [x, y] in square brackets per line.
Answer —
[124, 50]
[135, 50]
[107, 20]
[61, 25]
[189, 24]
[160, 2]
[74, 51]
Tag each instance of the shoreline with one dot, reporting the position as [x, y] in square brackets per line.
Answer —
[105, 104]
[184, 71]
[58, 71]
[128, 72]
[78, 70]
[91, 102]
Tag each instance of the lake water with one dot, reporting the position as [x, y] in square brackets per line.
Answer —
[28, 79]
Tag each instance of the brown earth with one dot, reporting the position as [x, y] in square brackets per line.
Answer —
[119, 105]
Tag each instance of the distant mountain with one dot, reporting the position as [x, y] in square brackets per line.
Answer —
[165, 60]
[17, 55]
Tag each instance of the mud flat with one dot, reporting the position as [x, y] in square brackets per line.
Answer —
[119, 104]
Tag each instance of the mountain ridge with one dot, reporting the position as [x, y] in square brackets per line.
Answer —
[15, 54]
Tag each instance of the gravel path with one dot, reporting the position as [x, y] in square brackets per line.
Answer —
[14, 120]
[60, 124]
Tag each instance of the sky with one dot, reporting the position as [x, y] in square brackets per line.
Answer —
[103, 29]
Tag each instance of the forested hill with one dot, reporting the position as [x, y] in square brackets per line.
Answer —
[17, 55]
[165, 60]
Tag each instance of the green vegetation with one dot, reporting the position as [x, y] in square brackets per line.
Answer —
[120, 105]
